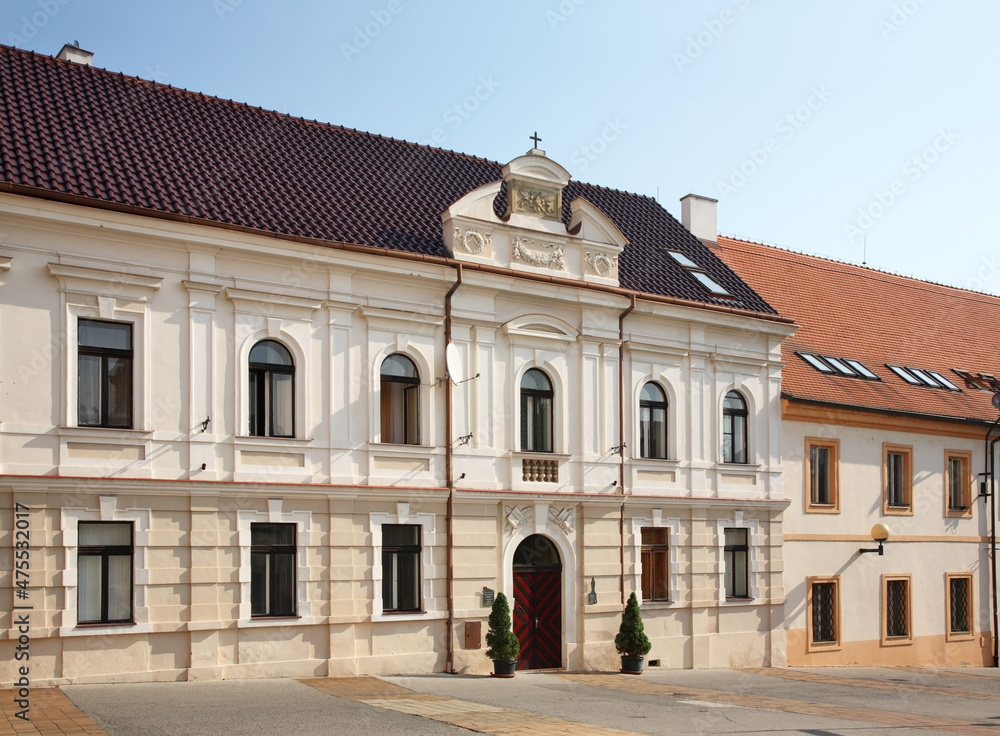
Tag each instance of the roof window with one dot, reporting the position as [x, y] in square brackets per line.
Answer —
[839, 366]
[698, 273]
[922, 377]
[980, 381]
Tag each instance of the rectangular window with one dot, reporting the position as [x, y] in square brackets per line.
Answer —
[104, 374]
[400, 567]
[959, 606]
[897, 479]
[737, 564]
[824, 612]
[272, 569]
[104, 584]
[896, 609]
[655, 564]
[958, 482]
[822, 475]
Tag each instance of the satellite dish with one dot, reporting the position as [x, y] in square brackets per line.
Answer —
[453, 362]
[996, 401]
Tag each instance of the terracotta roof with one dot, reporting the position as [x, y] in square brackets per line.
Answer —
[875, 317]
[68, 130]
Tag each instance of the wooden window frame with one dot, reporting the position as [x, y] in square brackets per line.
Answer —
[399, 409]
[967, 484]
[907, 452]
[654, 550]
[833, 446]
[823, 646]
[895, 641]
[970, 608]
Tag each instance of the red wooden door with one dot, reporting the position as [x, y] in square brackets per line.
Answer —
[538, 616]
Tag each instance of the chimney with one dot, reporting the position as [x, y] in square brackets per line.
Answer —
[698, 214]
[71, 52]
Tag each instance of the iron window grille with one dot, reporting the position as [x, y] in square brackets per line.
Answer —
[897, 609]
[824, 613]
[959, 597]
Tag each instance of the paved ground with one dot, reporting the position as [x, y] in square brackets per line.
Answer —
[820, 702]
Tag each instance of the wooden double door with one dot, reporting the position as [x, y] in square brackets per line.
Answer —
[538, 615]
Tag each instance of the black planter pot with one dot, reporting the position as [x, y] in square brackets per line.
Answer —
[632, 665]
[503, 669]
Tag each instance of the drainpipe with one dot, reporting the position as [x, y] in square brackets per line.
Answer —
[621, 439]
[991, 472]
[449, 478]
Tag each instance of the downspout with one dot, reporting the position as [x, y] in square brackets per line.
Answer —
[991, 472]
[621, 439]
[450, 479]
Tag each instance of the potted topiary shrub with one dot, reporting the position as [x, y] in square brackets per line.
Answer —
[502, 642]
[631, 641]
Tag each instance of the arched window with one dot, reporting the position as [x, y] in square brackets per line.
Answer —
[734, 428]
[536, 412]
[272, 390]
[400, 401]
[653, 422]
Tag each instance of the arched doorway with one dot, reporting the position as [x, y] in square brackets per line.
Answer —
[537, 571]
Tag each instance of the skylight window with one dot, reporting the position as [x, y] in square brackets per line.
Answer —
[924, 378]
[839, 366]
[972, 381]
[861, 368]
[904, 374]
[943, 381]
[698, 273]
[815, 362]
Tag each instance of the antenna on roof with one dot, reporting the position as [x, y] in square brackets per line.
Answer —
[864, 252]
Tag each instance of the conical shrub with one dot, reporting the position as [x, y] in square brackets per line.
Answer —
[631, 640]
[502, 642]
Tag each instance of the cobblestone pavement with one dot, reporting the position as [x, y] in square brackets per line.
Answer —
[821, 702]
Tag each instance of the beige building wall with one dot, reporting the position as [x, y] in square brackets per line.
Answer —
[191, 482]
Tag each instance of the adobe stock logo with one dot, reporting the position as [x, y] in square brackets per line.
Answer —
[363, 35]
[913, 168]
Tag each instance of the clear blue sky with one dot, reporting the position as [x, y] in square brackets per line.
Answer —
[814, 124]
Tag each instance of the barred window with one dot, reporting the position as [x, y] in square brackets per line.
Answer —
[824, 613]
[959, 595]
[897, 602]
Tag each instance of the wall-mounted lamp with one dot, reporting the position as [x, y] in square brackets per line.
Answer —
[204, 425]
[880, 534]
[614, 483]
[465, 439]
[617, 449]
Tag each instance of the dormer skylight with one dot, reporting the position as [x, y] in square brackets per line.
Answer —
[698, 273]
[980, 381]
[922, 377]
[839, 366]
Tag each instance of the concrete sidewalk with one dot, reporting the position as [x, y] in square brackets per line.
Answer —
[858, 701]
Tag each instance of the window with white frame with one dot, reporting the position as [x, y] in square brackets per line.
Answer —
[274, 572]
[272, 569]
[403, 570]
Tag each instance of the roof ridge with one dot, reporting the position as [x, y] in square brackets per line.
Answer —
[245, 105]
[872, 271]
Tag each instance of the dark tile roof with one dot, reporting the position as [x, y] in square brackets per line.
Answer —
[850, 311]
[68, 129]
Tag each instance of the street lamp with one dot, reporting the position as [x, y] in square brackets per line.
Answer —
[880, 533]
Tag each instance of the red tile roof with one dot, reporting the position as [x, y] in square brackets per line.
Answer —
[68, 130]
[875, 317]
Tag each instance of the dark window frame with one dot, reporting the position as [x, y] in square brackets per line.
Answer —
[540, 405]
[824, 612]
[274, 606]
[105, 355]
[897, 611]
[734, 428]
[737, 557]
[105, 552]
[391, 554]
[400, 424]
[653, 413]
[261, 387]
[960, 607]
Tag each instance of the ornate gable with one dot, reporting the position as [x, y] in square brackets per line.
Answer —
[531, 235]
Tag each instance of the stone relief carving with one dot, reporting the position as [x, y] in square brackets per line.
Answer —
[517, 516]
[536, 202]
[601, 264]
[554, 259]
[473, 241]
[565, 519]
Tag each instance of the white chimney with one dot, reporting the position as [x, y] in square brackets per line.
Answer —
[69, 52]
[699, 215]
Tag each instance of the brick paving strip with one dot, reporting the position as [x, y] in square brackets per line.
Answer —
[462, 713]
[909, 687]
[51, 713]
[766, 702]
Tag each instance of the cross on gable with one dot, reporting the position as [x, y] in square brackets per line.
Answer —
[535, 138]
